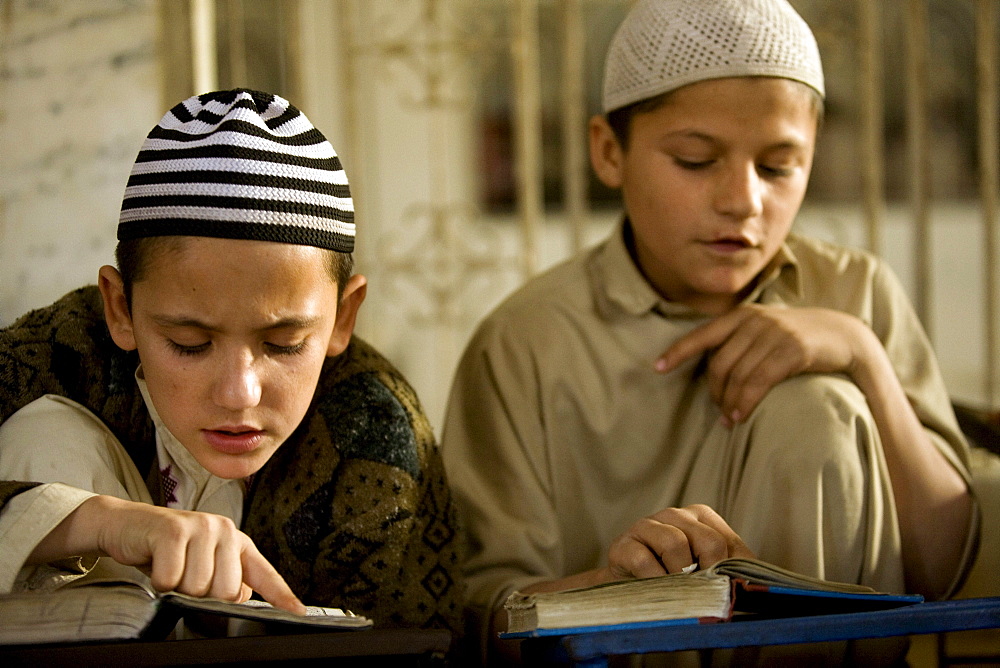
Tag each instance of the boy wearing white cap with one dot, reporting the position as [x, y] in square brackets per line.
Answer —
[705, 383]
[211, 384]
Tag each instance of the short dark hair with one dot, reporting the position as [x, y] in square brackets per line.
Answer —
[133, 257]
[620, 119]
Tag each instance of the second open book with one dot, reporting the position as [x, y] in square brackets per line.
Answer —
[730, 587]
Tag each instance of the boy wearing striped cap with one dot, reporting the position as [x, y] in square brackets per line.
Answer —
[204, 414]
[705, 383]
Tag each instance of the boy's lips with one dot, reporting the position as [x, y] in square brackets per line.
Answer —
[233, 440]
[731, 244]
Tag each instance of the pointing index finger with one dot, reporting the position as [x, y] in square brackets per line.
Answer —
[263, 578]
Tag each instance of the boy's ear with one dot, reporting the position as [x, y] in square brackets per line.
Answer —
[606, 154]
[116, 311]
[347, 314]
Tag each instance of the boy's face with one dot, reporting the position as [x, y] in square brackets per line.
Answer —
[711, 182]
[232, 336]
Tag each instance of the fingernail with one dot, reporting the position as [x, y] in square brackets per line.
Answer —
[660, 365]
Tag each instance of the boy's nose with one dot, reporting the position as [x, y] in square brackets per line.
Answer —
[238, 386]
[739, 195]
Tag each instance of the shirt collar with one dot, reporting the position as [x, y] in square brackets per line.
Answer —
[620, 285]
[781, 276]
[618, 281]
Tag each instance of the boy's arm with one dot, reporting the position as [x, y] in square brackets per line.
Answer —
[933, 501]
[28, 512]
[98, 505]
[755, 347]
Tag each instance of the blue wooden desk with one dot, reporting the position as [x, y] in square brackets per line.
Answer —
[593, 649]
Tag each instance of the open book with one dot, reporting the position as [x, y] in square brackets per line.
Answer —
[123, 611]
[715, 594]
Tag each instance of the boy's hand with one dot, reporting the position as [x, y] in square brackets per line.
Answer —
[755, 347]
[671, 540]
[194, 553]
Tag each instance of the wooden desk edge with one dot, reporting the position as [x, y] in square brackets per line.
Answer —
[286, 647]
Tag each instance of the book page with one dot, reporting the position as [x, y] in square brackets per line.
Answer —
[764, 573]
[311, 610]
[679, 596]
[265, 612]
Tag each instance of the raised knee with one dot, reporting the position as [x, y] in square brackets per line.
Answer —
[812, 420]
[817, 396]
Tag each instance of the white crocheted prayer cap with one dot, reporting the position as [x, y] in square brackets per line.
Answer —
[665, 44]
[239, 164]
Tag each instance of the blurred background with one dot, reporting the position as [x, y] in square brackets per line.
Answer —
[462, 125]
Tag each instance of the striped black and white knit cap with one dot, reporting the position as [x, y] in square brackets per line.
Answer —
[239, 164]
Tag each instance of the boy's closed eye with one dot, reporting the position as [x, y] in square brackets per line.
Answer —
[293, 349]
[183, 349]
[269, 347]
[776, 170]
[768, 170]
[693, 165]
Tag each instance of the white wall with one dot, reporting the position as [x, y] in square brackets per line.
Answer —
[79, 92]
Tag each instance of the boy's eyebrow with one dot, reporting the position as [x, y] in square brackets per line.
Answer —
[290, 322]
[692, 134]
[696, 134]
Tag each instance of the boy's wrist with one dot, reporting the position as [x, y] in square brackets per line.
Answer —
[75, 536]
[88, 525]
[869, 361]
